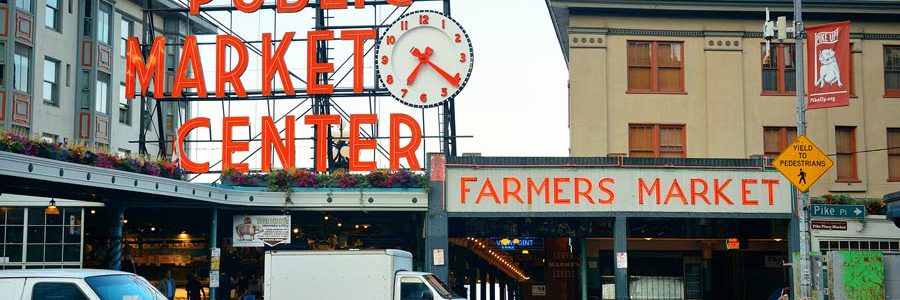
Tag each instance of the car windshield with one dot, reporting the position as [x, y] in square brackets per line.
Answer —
[440, 287]
[123, 287]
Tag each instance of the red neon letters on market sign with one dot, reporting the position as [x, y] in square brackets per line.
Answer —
[285, 148]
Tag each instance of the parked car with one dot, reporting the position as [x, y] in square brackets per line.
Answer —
[75, 284]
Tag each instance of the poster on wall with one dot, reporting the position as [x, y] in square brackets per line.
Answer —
[259, 231]
[829, 65]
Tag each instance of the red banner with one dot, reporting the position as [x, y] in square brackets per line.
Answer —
[828, 53]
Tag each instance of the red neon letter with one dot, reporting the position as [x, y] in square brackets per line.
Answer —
[153, 69]
[642, 187]
[281, 6]
[270, 139]
[234, 75]
[359, 38]
[673, 193]
[333, 4]
[189, 55]
[487, 190]
[514, 192]
[400, 2]
[543, 188]
[183, 131]
[248, 7]
[745, 193]
[719, 191]
[313, 66]
[586, 193]
[408, 151]
[357, 144]
[195, 6]
[322, 122]
[557, 190]
[612, 195]
[698, 193]
[229, 146]
[770, 183]
[275, 62]
[359, 3]
[464, 190]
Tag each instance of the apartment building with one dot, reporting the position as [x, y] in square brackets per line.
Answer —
[62, 70]
[692, 79]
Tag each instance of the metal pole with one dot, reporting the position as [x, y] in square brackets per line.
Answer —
[799, 34]
[213, 243]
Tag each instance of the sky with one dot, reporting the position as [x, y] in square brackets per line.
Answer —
[515, 103]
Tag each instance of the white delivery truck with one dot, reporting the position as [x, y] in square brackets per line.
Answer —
[349, 275]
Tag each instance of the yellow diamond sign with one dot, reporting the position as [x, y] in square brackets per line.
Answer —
[802, 163]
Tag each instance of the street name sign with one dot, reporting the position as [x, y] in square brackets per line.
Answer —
[827, 211]
[829, 225]
[802, 163]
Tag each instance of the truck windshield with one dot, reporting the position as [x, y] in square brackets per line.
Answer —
[123, 287]
[440, 287]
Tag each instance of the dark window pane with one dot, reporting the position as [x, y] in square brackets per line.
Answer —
[71, 252]
[770, 80]
[15, 216]
[35, 216]
[790, 81]
[14, 234]
[845, 245]
[854, 245]
[35, 234]
[3, 215]
[892, 80]
[14, 252]
[72, 235]
[72, 216]
[53, 253]
[54, 234]
[35, 253]
[54, 219]
[885, 246]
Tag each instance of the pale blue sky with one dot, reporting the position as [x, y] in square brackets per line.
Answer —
[515, 103]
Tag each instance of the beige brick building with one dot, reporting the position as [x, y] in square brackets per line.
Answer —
[689, 79]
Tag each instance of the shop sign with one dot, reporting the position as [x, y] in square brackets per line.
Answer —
[215, 259]
[622, 260]
[616, 190]
[259, 231]
[802, 163]
[519, 243]
[829, 69]
[539, 290]
[829, 225]
[732, 244]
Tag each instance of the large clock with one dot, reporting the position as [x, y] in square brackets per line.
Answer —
[424, 58]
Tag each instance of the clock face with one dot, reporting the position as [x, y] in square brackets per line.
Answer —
[424, 59]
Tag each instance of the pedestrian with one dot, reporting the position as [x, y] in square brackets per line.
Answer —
[248, 295]
[194, 288]
[224, 292]
[781, 294]
[166, 286]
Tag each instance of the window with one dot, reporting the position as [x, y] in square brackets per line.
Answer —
[56, 290]
[778, 70]
[52, 18]
[655, 140]
[655, 67]
[413, 288]
[124, 107]
[2, 65]
[775, 139]
[101, 100]
[103, 24]
[892, 71]
[893, 145]
[86, 90]
[24, 5]
[126, 31]
[33, 239]
[123, 287]
[87, 19]
[21, 69]
[845, 143]
[51, 81]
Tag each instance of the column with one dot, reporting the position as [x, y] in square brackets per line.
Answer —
[214, 228]
[489, 286]
[436, 223]
[503, 282]
[483, 276]
[116, 221]
[473, 278]
[620, 236]
[583, 269]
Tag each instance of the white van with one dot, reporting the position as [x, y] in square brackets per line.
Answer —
[75, 284]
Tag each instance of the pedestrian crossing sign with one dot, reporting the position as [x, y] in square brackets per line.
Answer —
[802, 163]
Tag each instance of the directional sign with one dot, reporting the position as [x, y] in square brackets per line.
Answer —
[827, 211]
[802, 163]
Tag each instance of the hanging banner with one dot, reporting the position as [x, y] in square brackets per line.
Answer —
[828, 54]
[259, 231]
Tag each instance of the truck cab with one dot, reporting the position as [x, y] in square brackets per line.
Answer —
[421, 286]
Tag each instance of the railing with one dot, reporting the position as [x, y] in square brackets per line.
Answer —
[647, 287]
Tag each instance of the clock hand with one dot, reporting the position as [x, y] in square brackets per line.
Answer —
[453, 80]
[422, 58]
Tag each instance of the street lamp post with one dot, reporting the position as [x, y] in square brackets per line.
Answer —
[803, 216]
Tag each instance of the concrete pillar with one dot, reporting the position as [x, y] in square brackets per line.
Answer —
[482, 274]
[116, 221]
[436, 224]
[620, 247]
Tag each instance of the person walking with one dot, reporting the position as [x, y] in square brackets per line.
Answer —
[194, 288]
[166, 286]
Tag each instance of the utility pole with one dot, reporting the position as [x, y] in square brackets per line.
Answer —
[803, 217]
